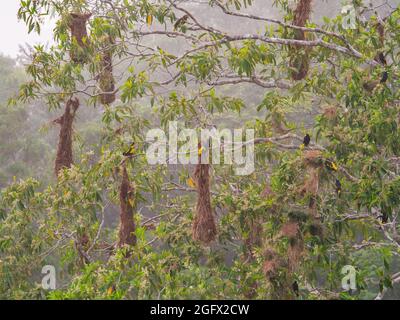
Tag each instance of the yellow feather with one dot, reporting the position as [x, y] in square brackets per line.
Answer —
[190, 182]
[149, 19]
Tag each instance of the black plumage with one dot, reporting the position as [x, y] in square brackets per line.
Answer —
[384, 217]
[338, 185]
[382, 59]
[306, 140]
[385, 76]
[130, 151]
[295, 287]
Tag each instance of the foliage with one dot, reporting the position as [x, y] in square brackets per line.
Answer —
[285, 222]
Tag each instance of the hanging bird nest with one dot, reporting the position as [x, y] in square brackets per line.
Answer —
[316, 229]
[127, 226]
[311, 183]
[290, 230]
[254, 238]
[252, 241]
[106, 78]
[312, 158]
[204, 228]
[299, 57]
[299, 63]
[64, 150]
[272, 263]
[295, 253]
[380, 28]
[301, 15]
[380, 57]
[298, 216]
[330, 112]
[77, 25]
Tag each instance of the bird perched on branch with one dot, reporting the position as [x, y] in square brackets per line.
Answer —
[130, 152]
[338, 186]
[381, 59]
[385, 76]
[331, 165]
[306, 141]
[181, 22]
[295, 287]
[384, 217]
[384, 214]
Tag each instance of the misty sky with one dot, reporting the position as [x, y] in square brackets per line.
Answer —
[14, 32]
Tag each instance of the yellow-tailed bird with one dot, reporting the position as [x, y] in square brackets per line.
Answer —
[200, 151]
[130, 152]
[149, 19]
[191, 183]
[331, 165]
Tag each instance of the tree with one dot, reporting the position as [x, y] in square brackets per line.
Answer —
[308, 209]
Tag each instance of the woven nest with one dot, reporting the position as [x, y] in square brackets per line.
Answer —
[295, 253]
[290, 229]
[204, 228]
[79, 34]
[299, 57]
[302, 14]
[299, 64]
[311, 183]
[330, 112]
[272, 263]
[254, 238]
[127, 224]
[106, 78]
[316, 229]
[312, 158]
[381, 31]
[64, 157]
[298, 216]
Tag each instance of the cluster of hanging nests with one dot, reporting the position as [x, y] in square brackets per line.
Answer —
[279, 267]
[79, 36]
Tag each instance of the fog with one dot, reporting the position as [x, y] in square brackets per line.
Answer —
[14, 33]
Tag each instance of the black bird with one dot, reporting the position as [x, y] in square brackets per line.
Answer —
[382, 59]
[384, 217]
[295, 287]
[385, 76]
[130, 151]
[306, 140]
[338, 186]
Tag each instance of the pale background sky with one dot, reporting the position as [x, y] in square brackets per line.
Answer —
[14, 33]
